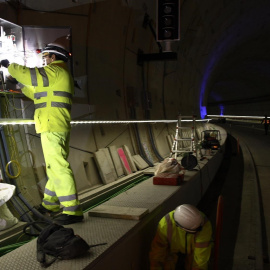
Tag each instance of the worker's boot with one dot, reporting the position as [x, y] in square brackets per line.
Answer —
[65, 219]
[46, 212]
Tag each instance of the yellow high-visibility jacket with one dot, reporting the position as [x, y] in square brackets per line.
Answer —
[171, 240]
[51, 87]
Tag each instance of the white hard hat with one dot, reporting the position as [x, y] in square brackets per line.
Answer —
[188, 217]
[57, 49]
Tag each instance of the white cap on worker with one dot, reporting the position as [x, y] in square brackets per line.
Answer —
[57, 49]
[188, 217]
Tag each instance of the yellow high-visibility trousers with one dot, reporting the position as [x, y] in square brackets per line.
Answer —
[61, 186]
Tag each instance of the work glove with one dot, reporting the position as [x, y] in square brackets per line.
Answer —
[4, 63]
[12, 80]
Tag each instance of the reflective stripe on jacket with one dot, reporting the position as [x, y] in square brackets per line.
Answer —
[171, 240]
[51, 87]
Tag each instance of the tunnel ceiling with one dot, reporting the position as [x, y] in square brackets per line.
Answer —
[243, 72]
[239, 59]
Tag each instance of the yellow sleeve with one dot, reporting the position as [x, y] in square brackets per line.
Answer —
[29, 91]
[40, 77]
[20, 73]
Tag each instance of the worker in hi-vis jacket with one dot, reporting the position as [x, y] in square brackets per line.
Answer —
[182, 241]
[51, 87]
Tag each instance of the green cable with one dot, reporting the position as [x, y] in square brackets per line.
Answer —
[9, 248]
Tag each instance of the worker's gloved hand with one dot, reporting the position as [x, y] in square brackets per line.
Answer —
[11, 79]
[4, 63]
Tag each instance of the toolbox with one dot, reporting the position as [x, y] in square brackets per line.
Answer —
[169, 179]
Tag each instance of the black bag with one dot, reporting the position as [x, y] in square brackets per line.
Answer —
[61, 243]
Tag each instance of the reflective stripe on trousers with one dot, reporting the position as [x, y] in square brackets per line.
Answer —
[61, 186]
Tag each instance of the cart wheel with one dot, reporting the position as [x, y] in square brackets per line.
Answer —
[189, 162]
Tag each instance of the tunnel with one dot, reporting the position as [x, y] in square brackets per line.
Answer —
[141, 95]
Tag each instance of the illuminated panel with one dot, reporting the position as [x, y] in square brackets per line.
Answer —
[11, 47]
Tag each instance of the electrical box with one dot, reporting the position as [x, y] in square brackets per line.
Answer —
[23, 45]
[11, 48]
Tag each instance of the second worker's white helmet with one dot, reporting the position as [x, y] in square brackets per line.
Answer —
[188, 217]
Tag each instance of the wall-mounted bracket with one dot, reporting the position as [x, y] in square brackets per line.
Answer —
[165, 56]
